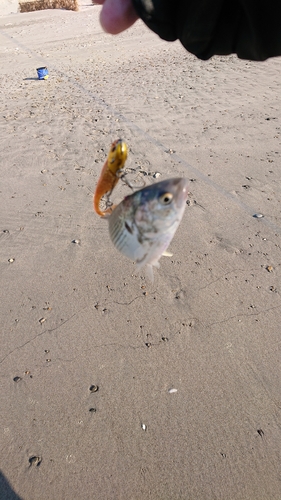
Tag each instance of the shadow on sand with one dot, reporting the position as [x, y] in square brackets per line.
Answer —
[6, 492]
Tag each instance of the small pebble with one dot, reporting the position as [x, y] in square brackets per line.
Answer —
[156, 175]
[92, 410]
[11, 260]
[93, 388]
[16, 379]
[42, 320]
[269, 269]
[77, 242]
[144, 427]
[172, 391]
[258, 216]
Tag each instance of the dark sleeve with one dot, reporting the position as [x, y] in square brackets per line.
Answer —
[249, 28]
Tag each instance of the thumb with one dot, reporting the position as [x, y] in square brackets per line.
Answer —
[117, 15]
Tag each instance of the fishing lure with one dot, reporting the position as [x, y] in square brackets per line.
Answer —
[110, 175]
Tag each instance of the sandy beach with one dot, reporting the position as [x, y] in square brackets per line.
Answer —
[113, 387]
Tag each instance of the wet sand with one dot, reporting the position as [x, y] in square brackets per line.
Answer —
[77, 315]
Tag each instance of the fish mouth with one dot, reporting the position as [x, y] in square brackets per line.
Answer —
[181, 185]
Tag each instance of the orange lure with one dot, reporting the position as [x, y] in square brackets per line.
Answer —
[109, 174]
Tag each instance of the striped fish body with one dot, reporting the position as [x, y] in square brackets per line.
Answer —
[142, 226]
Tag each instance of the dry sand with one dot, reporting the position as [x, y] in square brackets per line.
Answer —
[75, 315]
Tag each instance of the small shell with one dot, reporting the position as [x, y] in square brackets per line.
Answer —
[156, 175]
[35, 461]
[172, 390]
[77, 242]
[144, 427]
[269, 269]
[258, 216]
[16, 379]
[42, 320]
[11, 260]
[93, 388]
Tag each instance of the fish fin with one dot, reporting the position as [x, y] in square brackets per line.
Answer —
[149, 272]
[167, 254]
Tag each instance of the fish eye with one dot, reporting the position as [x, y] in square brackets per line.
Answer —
[166, 198]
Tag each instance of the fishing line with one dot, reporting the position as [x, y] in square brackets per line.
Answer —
[148, 138]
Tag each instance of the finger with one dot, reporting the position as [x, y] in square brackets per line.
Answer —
[117, 15]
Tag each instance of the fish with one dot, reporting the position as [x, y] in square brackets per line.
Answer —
[109, 175]
[143, 225]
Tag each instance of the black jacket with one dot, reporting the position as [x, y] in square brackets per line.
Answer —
[249, 28]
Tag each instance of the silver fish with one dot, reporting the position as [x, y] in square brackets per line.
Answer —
[144, 223]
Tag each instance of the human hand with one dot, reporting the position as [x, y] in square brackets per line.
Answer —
[116, 15]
